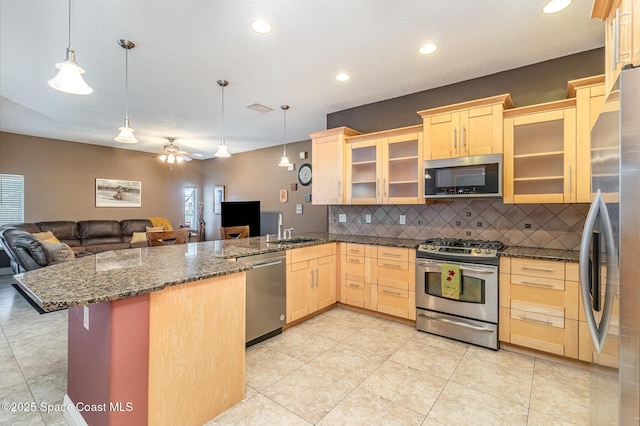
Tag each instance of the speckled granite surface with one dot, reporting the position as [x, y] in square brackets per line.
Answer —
[539, 253]
[120, 274]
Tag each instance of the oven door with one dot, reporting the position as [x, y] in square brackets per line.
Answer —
[478, 290]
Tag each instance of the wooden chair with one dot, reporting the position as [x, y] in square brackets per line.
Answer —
[234, 232]
[165, 238]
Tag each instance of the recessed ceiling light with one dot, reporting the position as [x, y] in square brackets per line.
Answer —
[343, 77]
[556, 6]
[428, 48]
[261, 26]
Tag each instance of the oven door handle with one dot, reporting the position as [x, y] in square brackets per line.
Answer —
[482, 271]
[479, 269]
[458, 323]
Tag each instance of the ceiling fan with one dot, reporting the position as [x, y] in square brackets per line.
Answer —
[172, 154]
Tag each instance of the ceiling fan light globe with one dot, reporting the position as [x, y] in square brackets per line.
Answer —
[171, 158]
[126, 135]
[179, 159]
[69, 79]
[163, 158]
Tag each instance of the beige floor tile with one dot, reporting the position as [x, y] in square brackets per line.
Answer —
[562, 373]
[419, 354]
[395, 329]
[300, 344]
[553, 401]
[362, 407]
[29, 418]
[431, 422]
[265, 366]
[308, 392]
[509, 360]
[510, 385]
[249, 392]
[407, 386]
[441, 342]
[347, 315]
[459, 405]
[376, 342]
[30, 354]
[347, 363]
[258, 411]
[332, 327]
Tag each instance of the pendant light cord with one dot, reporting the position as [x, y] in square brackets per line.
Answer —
[126, 87]
[69, 45]
[222, 115]
[284, 132]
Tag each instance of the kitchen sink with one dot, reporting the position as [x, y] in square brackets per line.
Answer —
[298, 240]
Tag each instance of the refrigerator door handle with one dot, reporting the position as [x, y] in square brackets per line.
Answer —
[598, 209]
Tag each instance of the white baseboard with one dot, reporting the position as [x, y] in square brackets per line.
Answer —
[72, 415]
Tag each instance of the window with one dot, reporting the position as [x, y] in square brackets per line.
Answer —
[11, 199]
[190, 202]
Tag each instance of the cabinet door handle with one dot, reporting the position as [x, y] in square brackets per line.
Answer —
[377, 187]
[386, 253]
[312, 280]
[537, 268]
[353, 285]
[384, 187]
[569, 179]
[535, 283]
[316, 277]
[455, 138]
[339, 191]
[395, 265]
[464, 137]
[356, 260]
[397, 293]
[526, 318]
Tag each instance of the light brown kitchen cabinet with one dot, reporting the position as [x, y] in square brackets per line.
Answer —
[622, 35]
[539, 306]
[355, 275]
[311, 280]
[540, 153]
[589, 95]
[385, 167]
[464, 129]
[327, 161]
[393, 288]
[610, 354]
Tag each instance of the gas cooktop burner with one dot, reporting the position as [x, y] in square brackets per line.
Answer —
[460, 249]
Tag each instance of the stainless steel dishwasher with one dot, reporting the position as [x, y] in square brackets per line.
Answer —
[266, 296]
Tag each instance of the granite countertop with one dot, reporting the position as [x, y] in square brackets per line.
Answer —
[119, 274]
[540, 253]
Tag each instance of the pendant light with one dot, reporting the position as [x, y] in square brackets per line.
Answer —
[223, 151]
[284, 161]
[126, 132]
[69, 78]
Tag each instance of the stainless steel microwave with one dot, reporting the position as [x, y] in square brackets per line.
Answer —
[464, 177]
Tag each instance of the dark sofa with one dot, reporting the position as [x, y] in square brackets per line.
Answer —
[85, 237]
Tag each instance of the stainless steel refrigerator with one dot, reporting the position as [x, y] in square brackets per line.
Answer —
[610, 258]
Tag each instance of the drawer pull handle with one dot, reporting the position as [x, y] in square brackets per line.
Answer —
[526, 318]
[353, 285]
[386, 253]
[354, 251]
[537, 268]
[351, 259]
[395, 265]
[536, 283]
[397, 293]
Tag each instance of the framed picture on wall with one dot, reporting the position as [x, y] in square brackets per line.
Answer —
[218, 198]
[118, 193]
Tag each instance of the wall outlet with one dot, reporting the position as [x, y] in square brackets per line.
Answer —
[85, 319]
[298, 208]
[342, 218]
[403, 219]
[367, 218]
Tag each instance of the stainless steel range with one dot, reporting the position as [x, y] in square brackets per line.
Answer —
[457, 289]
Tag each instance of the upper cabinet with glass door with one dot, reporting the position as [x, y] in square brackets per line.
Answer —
[540, 153]
[384, 167]
[622, 35]
[464, 129]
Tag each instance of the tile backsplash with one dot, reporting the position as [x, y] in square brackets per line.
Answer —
[552, 226]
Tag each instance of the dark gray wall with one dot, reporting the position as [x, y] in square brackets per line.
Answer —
[533, 84]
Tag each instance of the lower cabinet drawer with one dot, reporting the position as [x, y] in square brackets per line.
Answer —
[355, 293]
[396, 274]
[544, 333]
[394, 301]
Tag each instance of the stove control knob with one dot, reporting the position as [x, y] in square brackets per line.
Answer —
[433, 247]
[487, 250]
[478, 250]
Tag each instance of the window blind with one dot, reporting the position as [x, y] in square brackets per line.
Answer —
[11, 199]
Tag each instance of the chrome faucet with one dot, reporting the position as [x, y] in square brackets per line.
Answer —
[279, 226]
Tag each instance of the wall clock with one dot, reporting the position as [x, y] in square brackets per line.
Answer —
[304, 174]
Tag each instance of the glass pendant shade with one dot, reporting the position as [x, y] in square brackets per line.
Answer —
[126, 134]
[223, 151]
[284, 160]
[69, 78]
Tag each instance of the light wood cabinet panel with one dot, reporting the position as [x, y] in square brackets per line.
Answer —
[609, 356]
[327, 160]
[539, 306]
[311, 280]
[355, 275]
[540, 153]
[622, 35]
[385, 167]
[464, 129]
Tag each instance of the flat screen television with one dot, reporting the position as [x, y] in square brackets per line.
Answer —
[238, 213]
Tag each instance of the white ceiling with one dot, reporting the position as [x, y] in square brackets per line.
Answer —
[183, 47]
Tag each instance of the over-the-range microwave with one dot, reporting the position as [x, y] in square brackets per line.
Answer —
[464, 177]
